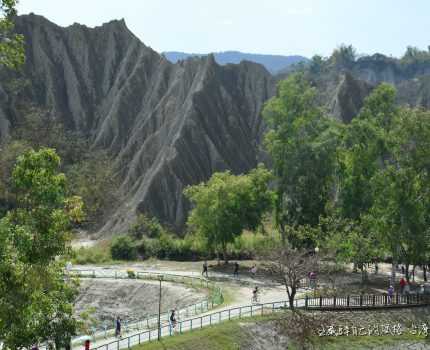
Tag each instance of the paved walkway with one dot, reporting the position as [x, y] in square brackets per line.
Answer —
[243, 292]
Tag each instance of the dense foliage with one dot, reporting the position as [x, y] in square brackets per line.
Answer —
[36, 302]
[302, 143]
[227, 204]
[90, 173]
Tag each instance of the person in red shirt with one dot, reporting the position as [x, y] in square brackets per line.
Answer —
[402, 285]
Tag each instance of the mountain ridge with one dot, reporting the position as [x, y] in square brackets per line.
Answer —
[170, 125]
[273, 63]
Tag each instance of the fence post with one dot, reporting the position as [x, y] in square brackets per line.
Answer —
[361, 299]
[117, 345]
[262, 310]
[201, 322]
[251, 310]
[210, 319]
[347, 300]
[334, 301]
[240, 312]
[320, 301]
[385, 299]
[373, 299]
[128, 343]
[306, 301]
[191, 325]
[229, 311]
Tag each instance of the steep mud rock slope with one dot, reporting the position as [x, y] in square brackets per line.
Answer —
[168, 125]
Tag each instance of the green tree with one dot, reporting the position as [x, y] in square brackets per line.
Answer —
[227, 204]
[401, 209]
[146, 226]
[11, 44]
[344, 57]
[363, 150]
[123, 248]
[36, 302]
[350, 241]
[302, 143]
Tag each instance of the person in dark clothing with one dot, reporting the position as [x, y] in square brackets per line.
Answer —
[173, 319]
[118, 327]
[205, 269]
[236, 269]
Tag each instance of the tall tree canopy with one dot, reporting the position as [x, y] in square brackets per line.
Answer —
[302, 143]
[11, 44]
[35, 303]
[227, 204]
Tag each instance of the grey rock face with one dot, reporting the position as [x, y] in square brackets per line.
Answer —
[169, 125]
[349, 97]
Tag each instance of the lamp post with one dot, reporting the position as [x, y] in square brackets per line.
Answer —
[160, 278]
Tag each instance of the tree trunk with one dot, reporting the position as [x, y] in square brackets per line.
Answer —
[283, 234]
[413, 273]
[425, 273]
[291, 297]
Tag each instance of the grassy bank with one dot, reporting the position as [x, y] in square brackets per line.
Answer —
[168, 247]
[258, 334]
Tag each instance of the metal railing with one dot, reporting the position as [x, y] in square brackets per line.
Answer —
[318, 303]
[366, 301]
[137, 324]
[192, 324]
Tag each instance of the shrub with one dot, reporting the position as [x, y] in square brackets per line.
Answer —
[96, 254]
[131, 274]
[123, 248]
[145, 226]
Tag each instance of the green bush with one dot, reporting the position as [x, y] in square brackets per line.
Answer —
[123, 248]
[145, 226]
[92, 255]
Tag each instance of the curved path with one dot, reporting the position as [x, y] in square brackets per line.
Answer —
[242, 297]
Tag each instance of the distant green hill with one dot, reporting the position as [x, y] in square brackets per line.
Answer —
[273, 63]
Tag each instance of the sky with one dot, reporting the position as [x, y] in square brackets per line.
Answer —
[286, 27]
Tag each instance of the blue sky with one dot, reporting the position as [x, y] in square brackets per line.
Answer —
[303, 27]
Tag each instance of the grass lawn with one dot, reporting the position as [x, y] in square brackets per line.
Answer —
[234, 335]
[226, 336]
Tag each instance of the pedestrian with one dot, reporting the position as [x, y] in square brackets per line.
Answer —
[403, 270]
[253, 270]
[407, 288]
[87, 344]
[118, 327]
[376, 268]
[205, 269]
[390, 294]
[236, 269]
[402, 285]
[173, 319]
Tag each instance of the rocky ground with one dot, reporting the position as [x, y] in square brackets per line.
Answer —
[131, 299]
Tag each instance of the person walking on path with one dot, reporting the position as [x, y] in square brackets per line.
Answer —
[390, 294]
[205, 269]
[118, 327]
[236, 269]
[173, 320]
[253, 270]
[407, 288]
[402, 285]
